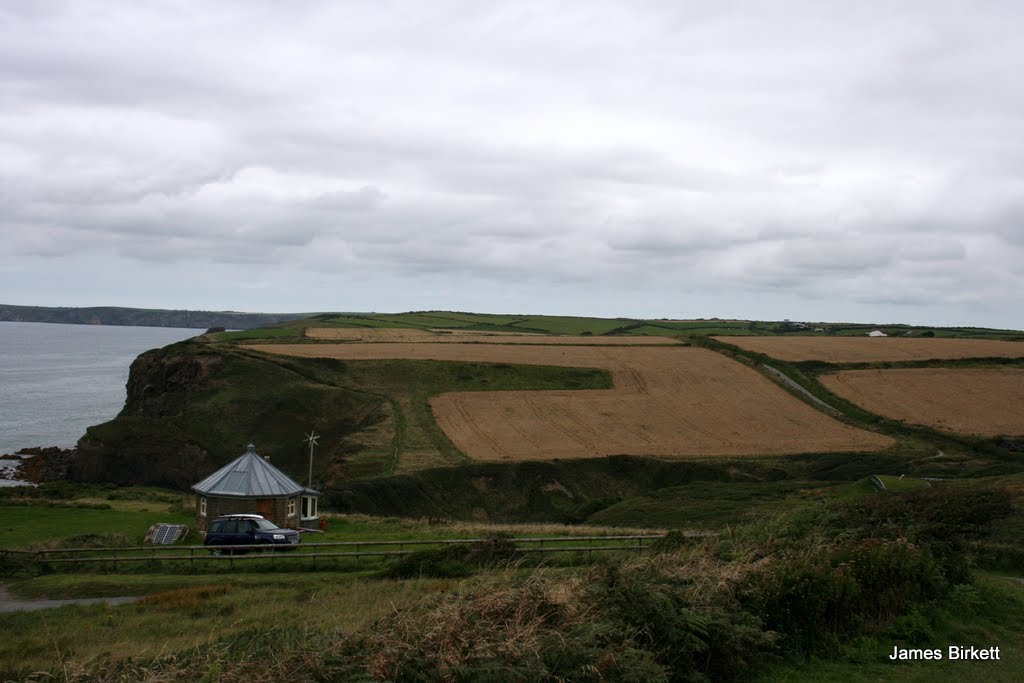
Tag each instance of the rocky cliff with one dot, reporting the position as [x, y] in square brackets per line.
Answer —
[193, 406]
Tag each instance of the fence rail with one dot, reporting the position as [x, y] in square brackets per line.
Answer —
[357, 550]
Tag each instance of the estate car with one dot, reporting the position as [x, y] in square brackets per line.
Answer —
[254, 530]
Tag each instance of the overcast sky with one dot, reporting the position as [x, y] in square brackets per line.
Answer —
[857, 161]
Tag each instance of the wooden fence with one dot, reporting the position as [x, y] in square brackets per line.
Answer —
[189, 555]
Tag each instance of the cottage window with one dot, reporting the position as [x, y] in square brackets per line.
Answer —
[308, 507]
[202, 506]
[291, 507]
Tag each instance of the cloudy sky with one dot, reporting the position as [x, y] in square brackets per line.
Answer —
[812, 160]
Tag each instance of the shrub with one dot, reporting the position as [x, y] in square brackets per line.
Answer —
[447, 562]
[913, 629]
[858, 586]
[452, 561]
[944, 519]
[183, 598]
[671, 542]
[103, 540]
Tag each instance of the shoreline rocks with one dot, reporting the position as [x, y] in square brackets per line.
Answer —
[42, 464]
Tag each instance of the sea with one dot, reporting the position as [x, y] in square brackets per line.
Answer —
[56, 380]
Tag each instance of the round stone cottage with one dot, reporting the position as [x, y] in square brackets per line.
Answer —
[249, 484]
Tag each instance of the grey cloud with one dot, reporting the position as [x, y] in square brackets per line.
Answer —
[758, 157]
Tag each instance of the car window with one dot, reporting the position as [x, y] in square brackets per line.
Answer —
[217, 528]
[265, 524]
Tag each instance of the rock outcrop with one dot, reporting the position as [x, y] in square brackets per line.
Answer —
[193, 406]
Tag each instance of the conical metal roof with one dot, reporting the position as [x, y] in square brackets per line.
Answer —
[249, 475]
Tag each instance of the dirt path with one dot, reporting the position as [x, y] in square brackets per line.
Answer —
[11, 603]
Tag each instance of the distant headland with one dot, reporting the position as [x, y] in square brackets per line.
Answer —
[145, 317]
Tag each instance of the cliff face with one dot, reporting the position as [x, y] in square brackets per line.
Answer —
[144, 444]
[159, 382]
[192, 407]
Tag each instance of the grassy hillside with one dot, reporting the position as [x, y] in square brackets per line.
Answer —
[194, 406]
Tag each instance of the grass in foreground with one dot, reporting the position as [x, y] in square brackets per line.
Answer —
[822, 593]
[185, 612]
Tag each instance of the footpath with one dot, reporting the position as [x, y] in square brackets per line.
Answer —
[10, 603]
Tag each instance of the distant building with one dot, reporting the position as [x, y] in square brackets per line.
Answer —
[249, 484]
[877, 333]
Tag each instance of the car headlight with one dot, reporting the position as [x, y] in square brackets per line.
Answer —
[278, 537]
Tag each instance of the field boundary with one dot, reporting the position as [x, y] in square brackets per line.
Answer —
[185, 556]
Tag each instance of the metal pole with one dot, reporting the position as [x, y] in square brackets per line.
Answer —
[312, 439]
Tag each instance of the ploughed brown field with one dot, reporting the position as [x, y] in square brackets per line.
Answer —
[875, 349]
[985, 401]
[472, 336]
[666, 401]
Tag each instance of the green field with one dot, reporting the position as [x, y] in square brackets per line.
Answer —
[260, 334]
[473, 321]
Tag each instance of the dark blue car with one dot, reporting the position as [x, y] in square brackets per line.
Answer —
[251, 530]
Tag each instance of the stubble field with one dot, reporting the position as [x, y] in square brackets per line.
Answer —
[984, 401]
[875, 349]
[666, 401]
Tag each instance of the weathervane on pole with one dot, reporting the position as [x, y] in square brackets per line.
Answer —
[312, 439]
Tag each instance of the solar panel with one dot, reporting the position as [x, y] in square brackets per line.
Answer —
[166, 534]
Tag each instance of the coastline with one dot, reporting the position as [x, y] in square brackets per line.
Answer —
[35, 465]
[10, 472]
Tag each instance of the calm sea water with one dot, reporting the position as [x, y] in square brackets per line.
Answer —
[56, 380]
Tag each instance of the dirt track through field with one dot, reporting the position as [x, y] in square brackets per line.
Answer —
[986, 401]
[666, 401]
[875, 349]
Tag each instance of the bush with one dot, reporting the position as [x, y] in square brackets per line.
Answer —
[105, 540]
[945, 519]
[671, 542]
[442, 563]
[913, 629]
[856, 587]
[452, 561]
